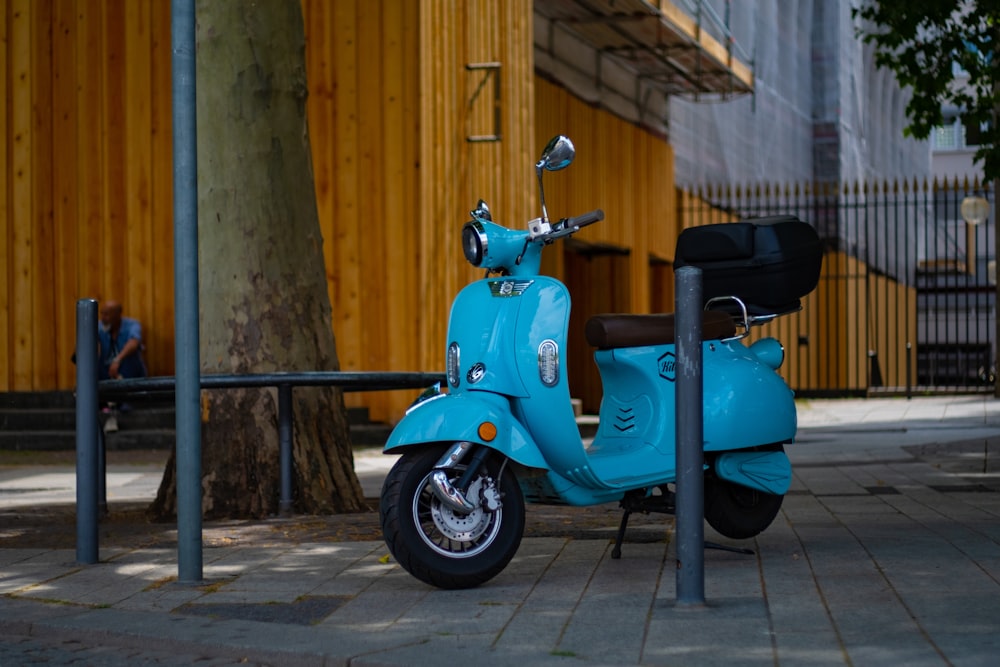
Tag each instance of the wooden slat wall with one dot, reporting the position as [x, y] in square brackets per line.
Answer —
[620, 168]
[6, 221]
[86, 210]
[87, 207]
[454, 172]
[628, 173]
[395, 176]
[363, 64]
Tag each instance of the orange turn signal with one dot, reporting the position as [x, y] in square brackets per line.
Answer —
[487, 431]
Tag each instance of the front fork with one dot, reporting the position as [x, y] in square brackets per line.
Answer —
[455, 496]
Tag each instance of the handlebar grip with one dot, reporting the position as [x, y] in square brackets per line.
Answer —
[585, 219]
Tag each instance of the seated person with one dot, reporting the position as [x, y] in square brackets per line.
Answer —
[119, 342]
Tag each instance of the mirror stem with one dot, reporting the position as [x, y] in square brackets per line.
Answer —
[541, 192]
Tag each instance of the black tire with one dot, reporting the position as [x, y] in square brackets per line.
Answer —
[426, 537]
[737, 511]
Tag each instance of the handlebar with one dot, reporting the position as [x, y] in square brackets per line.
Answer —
[572, 225]
[586, 219]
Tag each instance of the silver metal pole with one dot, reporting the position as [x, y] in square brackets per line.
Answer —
[187, 361]
[689, 429]
[86, 431]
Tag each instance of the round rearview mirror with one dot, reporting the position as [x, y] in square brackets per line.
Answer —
[558, 154]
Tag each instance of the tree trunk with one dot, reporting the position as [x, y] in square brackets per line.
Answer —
[263, 290]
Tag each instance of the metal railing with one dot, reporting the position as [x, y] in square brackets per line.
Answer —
[90, 459]
[907, 298]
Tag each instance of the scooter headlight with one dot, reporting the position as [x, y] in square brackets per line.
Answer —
[474, 243]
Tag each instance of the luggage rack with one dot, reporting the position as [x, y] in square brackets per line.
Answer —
[743, 317]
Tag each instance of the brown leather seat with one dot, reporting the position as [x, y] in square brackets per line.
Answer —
[611, 331]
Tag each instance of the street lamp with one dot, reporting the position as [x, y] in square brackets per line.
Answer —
[974, 212]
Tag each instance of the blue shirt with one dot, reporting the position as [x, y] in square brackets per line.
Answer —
[131, 366]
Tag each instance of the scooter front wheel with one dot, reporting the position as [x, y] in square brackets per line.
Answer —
[439, 545]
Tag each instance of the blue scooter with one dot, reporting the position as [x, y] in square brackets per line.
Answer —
[505, 432]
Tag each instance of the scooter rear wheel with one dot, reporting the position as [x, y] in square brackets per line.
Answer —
[438, 545]
[737, 511]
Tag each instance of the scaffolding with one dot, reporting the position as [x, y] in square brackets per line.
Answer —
[689, 53]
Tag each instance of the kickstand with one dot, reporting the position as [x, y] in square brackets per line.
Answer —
[616, 552]
[637, 500]
[723, 547]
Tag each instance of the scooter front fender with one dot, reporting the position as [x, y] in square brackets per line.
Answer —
[457, 417]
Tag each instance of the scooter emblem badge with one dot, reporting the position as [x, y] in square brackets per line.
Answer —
[476, 373]
[509, 287]
[668, 366]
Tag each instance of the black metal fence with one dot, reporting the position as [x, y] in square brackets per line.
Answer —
[907, 297]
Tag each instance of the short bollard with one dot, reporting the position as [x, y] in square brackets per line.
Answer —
[86, 432]
[689, 428]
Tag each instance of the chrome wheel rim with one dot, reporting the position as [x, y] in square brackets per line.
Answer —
[450, 533]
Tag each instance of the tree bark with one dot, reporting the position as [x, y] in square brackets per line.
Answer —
[264, 305]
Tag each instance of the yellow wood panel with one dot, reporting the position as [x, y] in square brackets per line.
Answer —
[5, 221]
[112, 121]
[396, 348]
[363, 114]
[320, 69]
[81, 132]
[347, 148]
[442, 171]
[64, 187]
[455, 173]
[90, 150]
[159, 331]
[621, 169]
[395, 175]
[42, 295]
[136, 157]
[21, 211]
[370, 237]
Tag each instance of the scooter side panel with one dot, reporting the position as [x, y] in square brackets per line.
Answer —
[638, 405]
[548, 413]
[482, 315]
[456, 418]
[747, 404]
